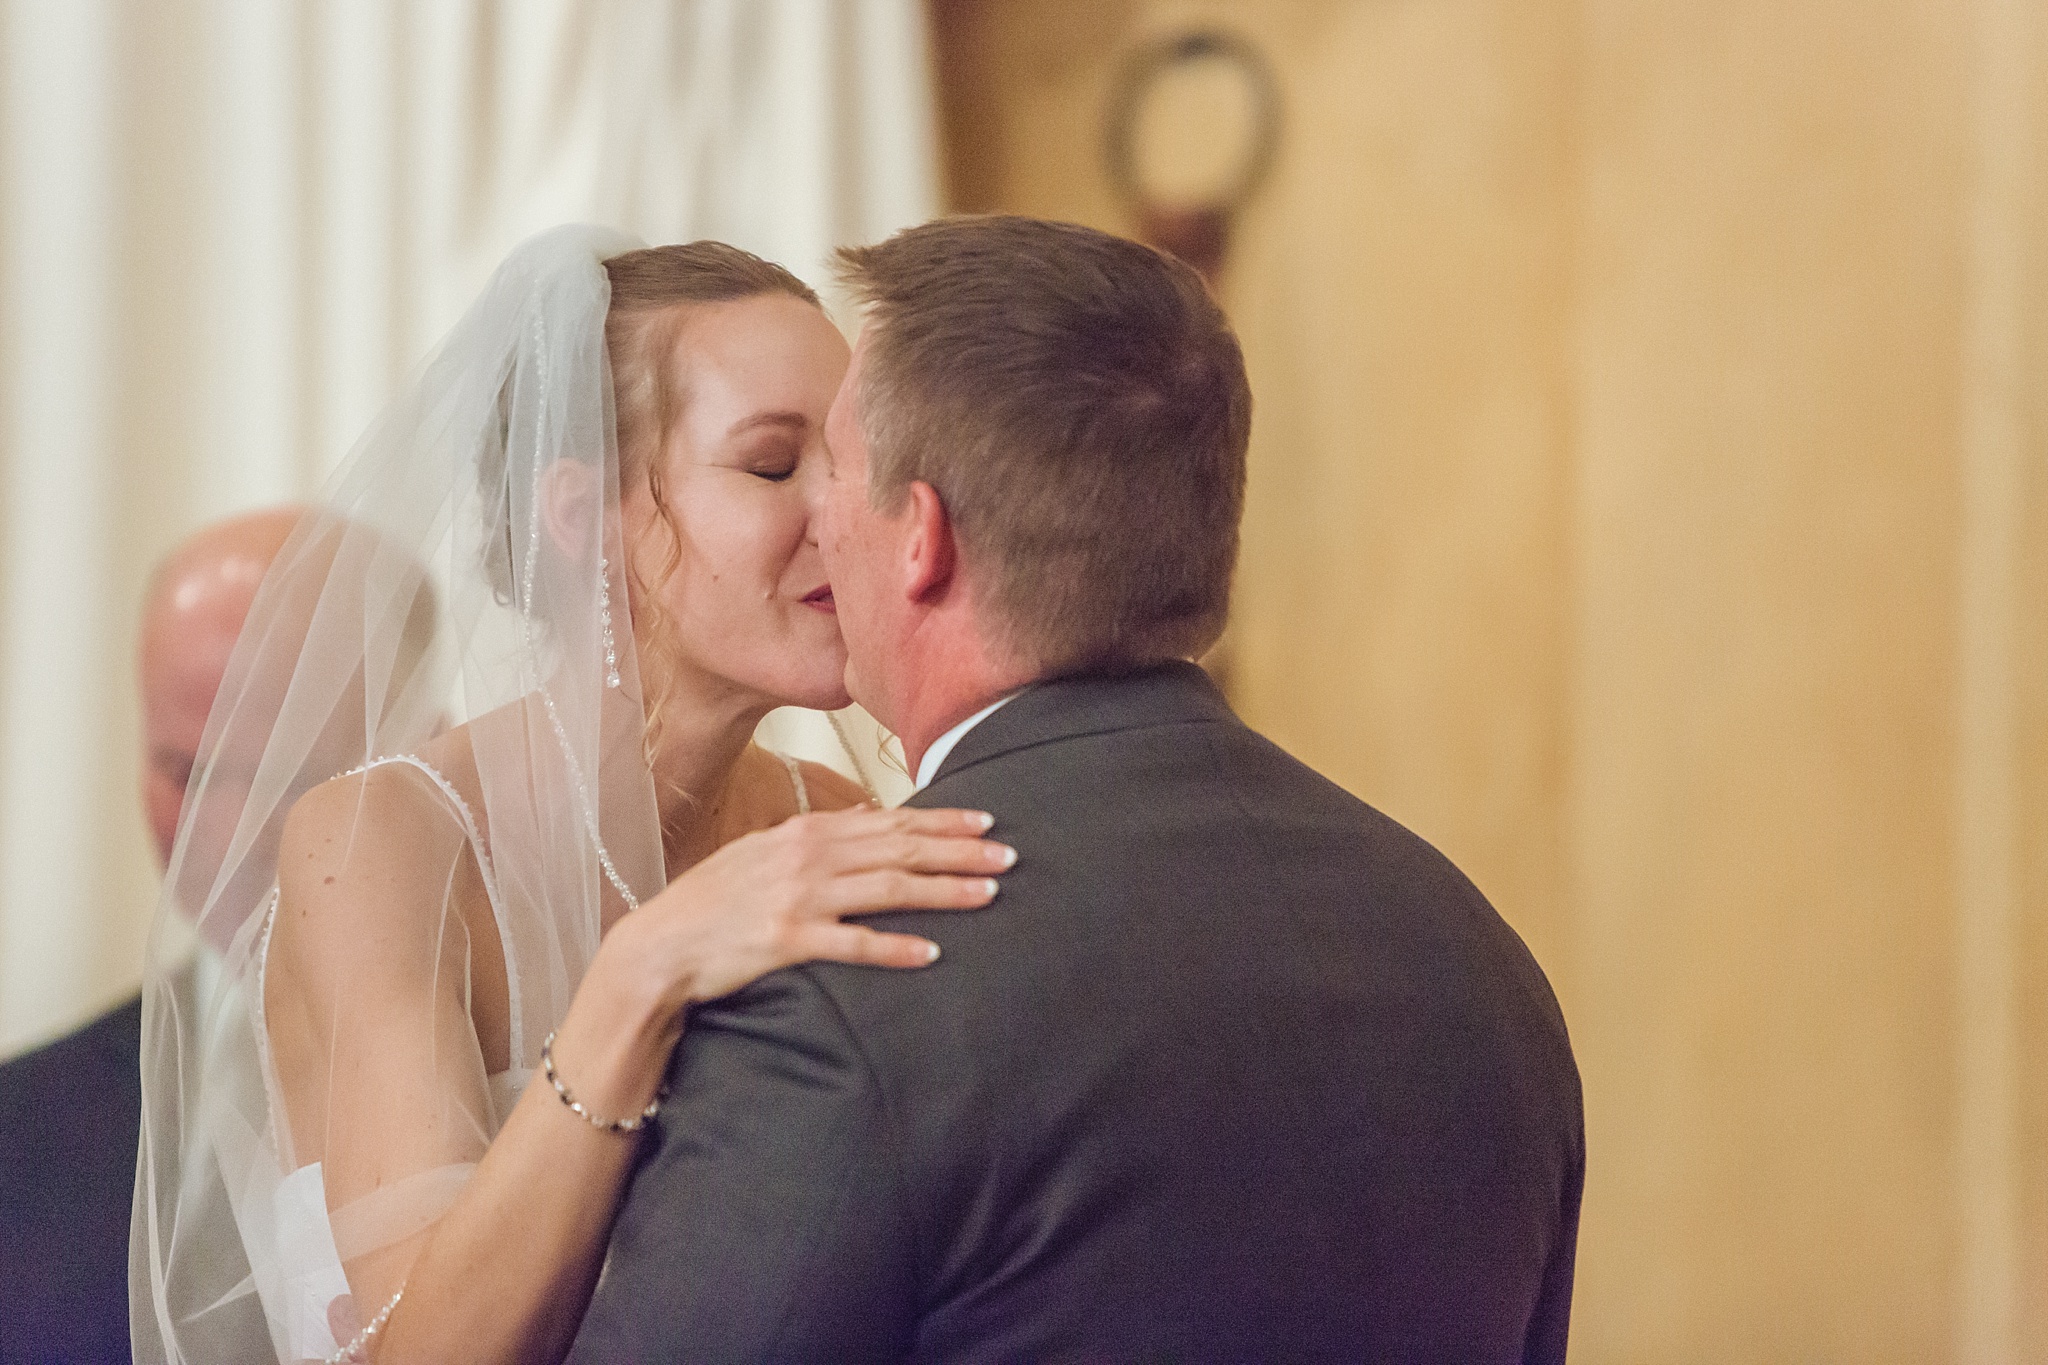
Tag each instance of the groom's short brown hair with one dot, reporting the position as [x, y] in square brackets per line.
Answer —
[1079, 402]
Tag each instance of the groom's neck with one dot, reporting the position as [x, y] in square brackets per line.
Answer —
[949, 672]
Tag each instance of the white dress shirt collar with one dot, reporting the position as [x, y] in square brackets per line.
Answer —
[928, 766]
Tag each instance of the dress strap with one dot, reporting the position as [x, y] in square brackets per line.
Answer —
[796, 779]
[469, 824]
[483, 863]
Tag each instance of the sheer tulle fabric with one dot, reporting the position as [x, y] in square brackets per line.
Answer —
[450, 578]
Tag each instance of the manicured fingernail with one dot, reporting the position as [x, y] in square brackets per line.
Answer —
[985, 820]
[1005, 855]
[931, 952]
[990, 884]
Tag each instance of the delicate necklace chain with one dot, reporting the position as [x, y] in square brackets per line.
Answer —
[860, 769]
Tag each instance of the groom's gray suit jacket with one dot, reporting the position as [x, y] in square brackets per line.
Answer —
[1234, 1069]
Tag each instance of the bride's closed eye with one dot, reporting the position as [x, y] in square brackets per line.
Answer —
[774, 458]
[768, 445]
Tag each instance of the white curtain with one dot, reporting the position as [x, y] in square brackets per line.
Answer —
[227, 229]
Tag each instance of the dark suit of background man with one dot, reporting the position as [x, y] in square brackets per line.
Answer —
[71, 1111]
[1235, 1068]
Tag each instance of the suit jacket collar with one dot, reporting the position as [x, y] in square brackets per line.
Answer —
[1067, 708]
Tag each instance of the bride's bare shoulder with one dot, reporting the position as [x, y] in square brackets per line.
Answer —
[390, 798]
[367, 811]
[388, 829]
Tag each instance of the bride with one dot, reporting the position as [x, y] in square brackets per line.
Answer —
[480, 818]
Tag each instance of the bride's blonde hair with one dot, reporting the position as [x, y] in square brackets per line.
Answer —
[651, 292]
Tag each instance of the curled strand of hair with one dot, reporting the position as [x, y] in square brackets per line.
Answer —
[656, 635]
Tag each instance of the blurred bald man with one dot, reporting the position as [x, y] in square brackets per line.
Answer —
[191, 617]
[70, 1111]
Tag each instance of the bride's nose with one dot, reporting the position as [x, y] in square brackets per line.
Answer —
[813, 481]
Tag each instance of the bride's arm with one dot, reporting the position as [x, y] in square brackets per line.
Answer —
[370, 969]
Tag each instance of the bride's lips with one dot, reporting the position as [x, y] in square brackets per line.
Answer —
[820, 597]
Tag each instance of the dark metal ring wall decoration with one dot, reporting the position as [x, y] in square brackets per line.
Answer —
[1147, 64]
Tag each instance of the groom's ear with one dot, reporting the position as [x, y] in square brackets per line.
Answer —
[929, 555]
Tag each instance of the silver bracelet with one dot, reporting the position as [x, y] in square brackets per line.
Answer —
[358, 1348]
[631, 1125]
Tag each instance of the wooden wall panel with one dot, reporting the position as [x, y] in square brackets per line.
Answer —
[1766, 393]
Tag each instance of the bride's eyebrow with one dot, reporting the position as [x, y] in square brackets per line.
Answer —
[794, 420]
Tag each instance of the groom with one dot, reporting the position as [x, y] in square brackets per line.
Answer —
[1235, 1068]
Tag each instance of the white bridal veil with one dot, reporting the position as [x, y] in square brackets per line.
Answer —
[459, 572]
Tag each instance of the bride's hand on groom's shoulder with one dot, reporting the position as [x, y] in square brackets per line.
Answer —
[768, 900]
[780, 896]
